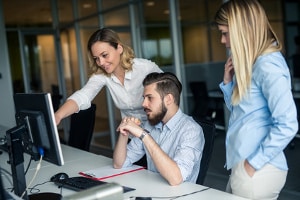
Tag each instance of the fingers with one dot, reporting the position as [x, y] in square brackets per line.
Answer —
[128, 124]
[137, 121]
[228, 71]
[228, 64]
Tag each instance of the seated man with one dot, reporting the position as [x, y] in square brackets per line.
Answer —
[173, 142]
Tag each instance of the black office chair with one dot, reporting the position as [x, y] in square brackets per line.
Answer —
[209, 131]
[203, 105]
[82, 128]
[56, 97]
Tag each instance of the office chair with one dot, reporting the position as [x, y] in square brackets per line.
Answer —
[142, 162]
[209, 131]
[82, 128]
[56, 97]
[202, 103]
[205, 107]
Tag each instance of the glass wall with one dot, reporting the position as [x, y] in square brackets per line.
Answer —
[146, 25]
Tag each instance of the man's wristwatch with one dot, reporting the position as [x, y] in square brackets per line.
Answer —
[144, 133]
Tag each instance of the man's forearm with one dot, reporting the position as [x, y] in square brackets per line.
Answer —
[120, 151]
[165, 165]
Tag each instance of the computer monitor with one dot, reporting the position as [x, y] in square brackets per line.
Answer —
[35, 133]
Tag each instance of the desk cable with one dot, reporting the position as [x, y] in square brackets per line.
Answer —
[36, 171]
[7, 175]
[170, 197]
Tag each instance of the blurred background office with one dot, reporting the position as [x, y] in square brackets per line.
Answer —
[43, 49]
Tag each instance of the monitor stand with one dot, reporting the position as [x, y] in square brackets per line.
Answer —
[16, 160]
[45, 196]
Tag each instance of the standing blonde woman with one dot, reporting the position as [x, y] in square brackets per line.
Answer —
[257, 91]
[114, 66]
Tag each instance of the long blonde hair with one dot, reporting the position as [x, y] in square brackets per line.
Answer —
[251, 35]
[112, 38]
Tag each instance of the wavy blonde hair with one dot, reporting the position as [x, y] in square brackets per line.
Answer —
[111, 37]
[251, 35]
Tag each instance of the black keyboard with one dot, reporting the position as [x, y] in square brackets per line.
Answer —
[82, 183]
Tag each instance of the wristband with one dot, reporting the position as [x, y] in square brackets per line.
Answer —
[144, 133]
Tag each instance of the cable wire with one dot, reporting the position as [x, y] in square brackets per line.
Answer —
[36, 171]
[172, 197]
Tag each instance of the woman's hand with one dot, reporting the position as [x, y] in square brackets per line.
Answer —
[249, 169]
[57, 119]
[228, 71]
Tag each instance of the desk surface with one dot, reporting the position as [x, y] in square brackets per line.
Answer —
[145, 182]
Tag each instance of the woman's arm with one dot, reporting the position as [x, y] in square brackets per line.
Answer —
[67, 109]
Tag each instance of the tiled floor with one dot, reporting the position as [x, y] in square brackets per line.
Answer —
[217, 175]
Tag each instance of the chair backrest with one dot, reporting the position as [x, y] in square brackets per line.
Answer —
[201, 99]
[82, 128]
[56, 97]
[209, 130]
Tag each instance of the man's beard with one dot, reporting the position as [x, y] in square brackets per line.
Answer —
[159, 116]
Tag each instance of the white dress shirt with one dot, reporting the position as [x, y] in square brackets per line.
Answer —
[127, 98]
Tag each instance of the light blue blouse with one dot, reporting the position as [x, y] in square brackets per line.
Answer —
[265, 121]
[181, 138]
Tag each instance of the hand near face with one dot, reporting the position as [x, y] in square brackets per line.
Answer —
[130, 125]
[228, 71]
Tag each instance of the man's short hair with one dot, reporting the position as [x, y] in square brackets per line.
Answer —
[166, 83]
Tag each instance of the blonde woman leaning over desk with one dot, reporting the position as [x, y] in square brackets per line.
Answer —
[115, 67]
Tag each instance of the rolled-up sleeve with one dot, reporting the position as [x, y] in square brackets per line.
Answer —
[85, 95]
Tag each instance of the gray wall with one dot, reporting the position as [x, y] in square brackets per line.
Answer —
[7, 110]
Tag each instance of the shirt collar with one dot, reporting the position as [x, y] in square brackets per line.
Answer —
[128, 76]
[172, 122]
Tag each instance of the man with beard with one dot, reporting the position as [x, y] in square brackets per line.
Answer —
[172, 141]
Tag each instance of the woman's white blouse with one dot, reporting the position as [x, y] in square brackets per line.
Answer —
[128, 97]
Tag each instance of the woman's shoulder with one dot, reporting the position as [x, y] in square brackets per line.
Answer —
[270, 64]
[145, 65]
[270, 60]
[142, 61]
[98, 78]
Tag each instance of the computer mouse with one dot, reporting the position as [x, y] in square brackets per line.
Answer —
[59, 176]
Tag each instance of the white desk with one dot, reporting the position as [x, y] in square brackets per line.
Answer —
[145, 182]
